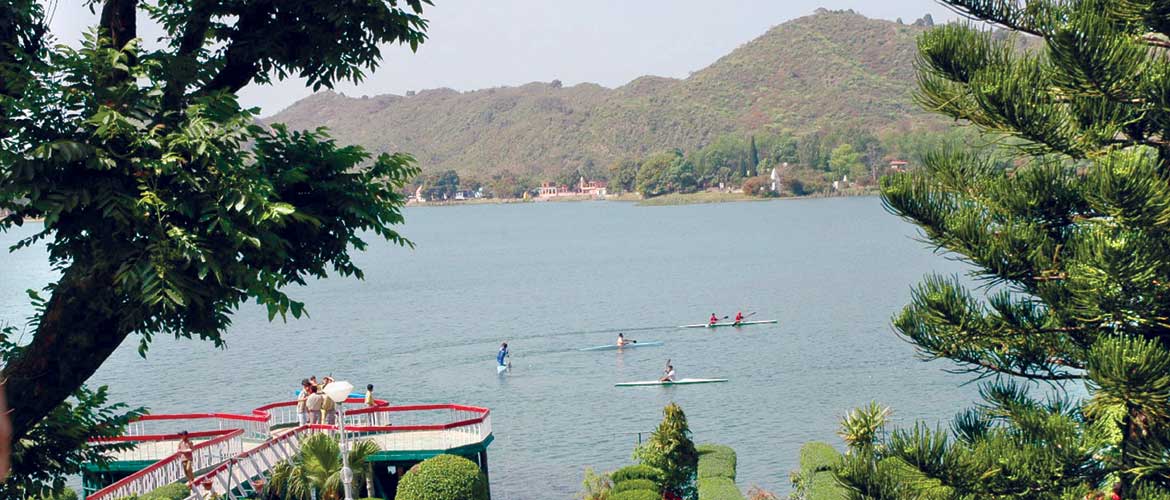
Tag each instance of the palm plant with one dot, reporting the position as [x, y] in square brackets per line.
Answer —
[315, 473]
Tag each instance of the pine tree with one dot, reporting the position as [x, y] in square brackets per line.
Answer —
[755, 156]
[1070, 243]
[671, 451]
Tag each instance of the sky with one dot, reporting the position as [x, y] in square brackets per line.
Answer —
[475, 44]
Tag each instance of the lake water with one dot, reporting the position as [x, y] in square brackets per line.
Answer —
[551, 278]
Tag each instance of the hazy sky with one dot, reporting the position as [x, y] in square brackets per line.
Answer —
[476, 44]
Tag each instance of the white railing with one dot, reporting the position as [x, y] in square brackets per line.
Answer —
[243, 468]
[170, 469]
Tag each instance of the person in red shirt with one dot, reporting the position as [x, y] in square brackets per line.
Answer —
[738, 317]
[714, 319]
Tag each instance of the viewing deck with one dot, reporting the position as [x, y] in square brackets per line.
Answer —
[232, 452]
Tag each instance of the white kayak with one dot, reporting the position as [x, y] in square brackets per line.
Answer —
[741, 323]
[611, 347]
[501, 368]
[683, 381]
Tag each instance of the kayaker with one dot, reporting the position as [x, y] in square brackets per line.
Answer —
[669, 374]
[714, 319]
[738, 317]
[621, 341]
[502, 354]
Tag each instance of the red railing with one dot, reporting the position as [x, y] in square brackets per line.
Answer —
[399, 427]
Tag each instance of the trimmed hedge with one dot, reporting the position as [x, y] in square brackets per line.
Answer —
[636, 472]
[174, 491]
[635, 484]
[444, 477]
[718, 488]
[817, 456]
[816, 471]
[636, 495]
[716, 461]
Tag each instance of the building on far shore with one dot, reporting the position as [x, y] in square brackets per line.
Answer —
[584, 188]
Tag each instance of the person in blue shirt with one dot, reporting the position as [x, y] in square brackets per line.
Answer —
[502, 354]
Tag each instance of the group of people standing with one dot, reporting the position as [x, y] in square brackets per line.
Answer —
[314, 407]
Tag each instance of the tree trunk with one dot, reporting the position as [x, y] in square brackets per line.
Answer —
[77, 333]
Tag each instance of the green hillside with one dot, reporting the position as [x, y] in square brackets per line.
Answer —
[830, 70]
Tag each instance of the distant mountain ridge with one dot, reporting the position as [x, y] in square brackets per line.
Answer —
[830, 69]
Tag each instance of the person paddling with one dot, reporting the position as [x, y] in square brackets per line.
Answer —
[502, 354]
[621, 341]
[738, 318]
[668, 375]
[714, 319]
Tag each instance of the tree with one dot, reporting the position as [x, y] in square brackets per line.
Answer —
[655, 171]
[671, 451]
[315, 471]
[165, 206]
[844, 160]
[623, 175]
[753, 158]
[1070, 240]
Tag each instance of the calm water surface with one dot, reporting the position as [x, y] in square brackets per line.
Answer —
[551, 278]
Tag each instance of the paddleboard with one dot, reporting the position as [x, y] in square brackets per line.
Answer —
[741, 323]
[611, 347]
[501, 368]
[684, 381]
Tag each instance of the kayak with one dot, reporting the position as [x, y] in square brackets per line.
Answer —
[612, 347]
[684, 381]
[501, 368]
[741, 323]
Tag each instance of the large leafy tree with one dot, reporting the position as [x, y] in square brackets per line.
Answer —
[165, 206]
[1071, 244]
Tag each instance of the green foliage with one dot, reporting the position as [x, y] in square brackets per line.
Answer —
[1069, 236]
[174, 491]
[595, 486]
[716, 461]
[635, 484]
[637, 471]
[166, 206]
[315, 472]
[671, 451]
[64, 494]
[636, 495]
[444, 477]
[718, 488]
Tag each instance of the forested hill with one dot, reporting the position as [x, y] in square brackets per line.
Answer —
[830, 70]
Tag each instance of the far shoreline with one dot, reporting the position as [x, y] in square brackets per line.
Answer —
[673, 199]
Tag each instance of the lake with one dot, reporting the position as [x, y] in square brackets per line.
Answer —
[551, 278]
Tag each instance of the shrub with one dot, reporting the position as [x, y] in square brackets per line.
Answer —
[758, 186]
[636, 472]
[636, 495]
[175, 491]
[444, 477]
[595, 486]
[65, 494]
[814, 480]
[716, 461]
[718, 488]
[635, 484]
[671, 451]
[825, 487]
